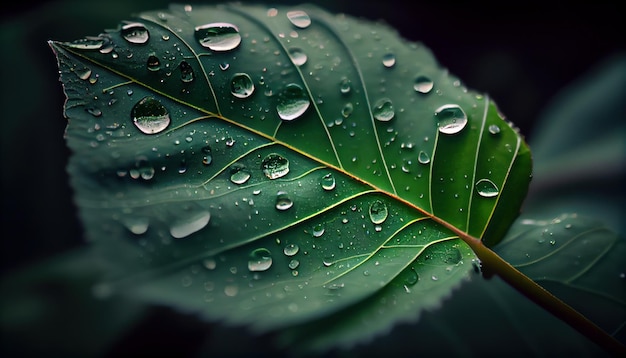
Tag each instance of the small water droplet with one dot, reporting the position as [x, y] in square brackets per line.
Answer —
[291, 250]
[423, 157]
[410, 276]
[328, 182]
[293, 264]
[423, 84]
[207, 158]
[241, 85]
[347, 110]
[293, 103]
[299, 18]
[345, 85]
[135, 33]
[153, 63]
[239, 174]
[136, 225]
[389, 60]
[186, 72]
[209, 263]
[298, 57]
[451, 119]
[189, 225]
[219, 36]
[89, 43]
[494, 129]
[224, 66]
[383, 110]
[231, 290]
[318, 230]
[434, 278]
[230, 142]
[150, 116]
[275, 166]
[378, 212]
[486, 188]
[260, 260]
[283, 202]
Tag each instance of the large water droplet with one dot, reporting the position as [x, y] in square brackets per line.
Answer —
[150, 116]
[383, 110]
[189, 225]
[275, 166]
[135, 33]
[328, 182]
[293, 103]
[423, 84]
[186, 72]
[298, 57]
[423, 157]
[291, 250]
[486, 188]
[299, 18]
[241, 85]
[410, 276]
[378, 212]
[451, 119]
[389, 60]
[239, 174]
[260, 260]
[219, 36]
[283, 202]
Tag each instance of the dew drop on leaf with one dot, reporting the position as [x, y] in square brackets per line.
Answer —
[219, 36]
[346, 111]
[389, 60]
[410, 276]
[185, 227]
[136, 225]
[299, 18]
[91, 43]
[283, 202]
[291, 250]
[383, 110]
[345, 86]
[207, 157]
[423, 84]
[153, 63]
[260, 260]
[241, 85]
[186, 72]
[298, 57]
[238, 174]
[486, 188]
[318, 230]
[293, 103]
[135, 33]
[451, 119]
[328, 182]
[293, 264]
[494, 129]
[150, 116]
[423, 157]
[378, 212]
[275, 166]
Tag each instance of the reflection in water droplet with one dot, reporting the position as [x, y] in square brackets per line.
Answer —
[219, 36]
[486, 188]
[186, 72]
[318, 230]
[298, 57]
[150, 116]
[283, 202]
[345, 86]
[260, 260]
[153, 63]
[378, 212]
[423, 84]
[299, 18]
[275, 166]
[135, 33]
[389, 60]
[494, 129]
[293, 103]
[239, 174]
[423, 157]
[291, 250]
[189, 225]
[451, 119]
[207, 158]
[383, 110]
[347, 110]
[328, 182]
[241, 85]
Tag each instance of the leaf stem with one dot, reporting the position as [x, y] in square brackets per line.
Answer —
[545, 299]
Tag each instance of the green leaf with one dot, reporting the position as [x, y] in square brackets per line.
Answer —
[274, 166]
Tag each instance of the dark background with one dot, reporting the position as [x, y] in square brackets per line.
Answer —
[521, 53]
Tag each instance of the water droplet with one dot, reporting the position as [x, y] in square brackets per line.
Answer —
[486, 188]
[224, 66]
[423, 84]
[410, 276]
[494, 129]
[378, 212]
[135, 33]
[209, 263]
[89, 43]
[137, 225]
[389, 60]
[207, 158]
[231, 290]
[298, 57]
[275, 166]
[283, 202]
[451, 119]
[293, 103]
[299, 18]
[219, 36]
[186, 72]
[230, 142]
[153, 63]
[260, 260]
[241, 85]
[293, 264]
[318, 230]
[291, 250]
[383, 110]
[150, 116]
[423, 157]
[188, 226]
[347, 110]
[345, 85]
[239, 174]
[328, 182]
